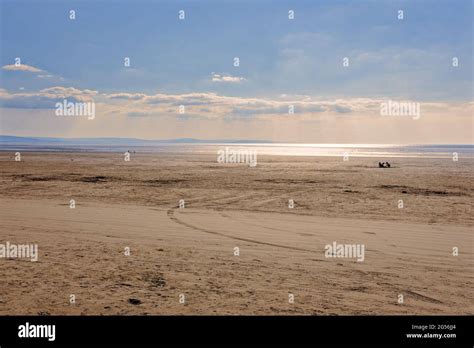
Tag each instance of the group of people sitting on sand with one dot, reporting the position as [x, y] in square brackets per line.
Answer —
[384, 165]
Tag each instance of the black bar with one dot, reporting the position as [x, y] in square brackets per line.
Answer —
[289, 330]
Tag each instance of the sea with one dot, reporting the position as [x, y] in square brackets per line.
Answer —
[354, 150]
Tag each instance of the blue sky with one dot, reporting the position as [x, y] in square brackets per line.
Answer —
[298, 59]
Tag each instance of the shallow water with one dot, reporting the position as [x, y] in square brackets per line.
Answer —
[356, 150]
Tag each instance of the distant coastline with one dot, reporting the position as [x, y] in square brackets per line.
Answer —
[10, 139]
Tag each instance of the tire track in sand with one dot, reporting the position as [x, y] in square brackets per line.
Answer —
[171, 215]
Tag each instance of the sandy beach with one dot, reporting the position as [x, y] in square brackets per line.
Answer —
[191, 251]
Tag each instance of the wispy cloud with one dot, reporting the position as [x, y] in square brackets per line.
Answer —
[21, 67]
[44, 98]
[226, 78]
[44, 76]
[35, 72]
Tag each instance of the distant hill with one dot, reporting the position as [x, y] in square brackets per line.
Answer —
[9, 139]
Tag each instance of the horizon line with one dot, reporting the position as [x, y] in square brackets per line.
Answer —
[210, 141]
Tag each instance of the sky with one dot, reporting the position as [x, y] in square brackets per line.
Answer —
[335, 65]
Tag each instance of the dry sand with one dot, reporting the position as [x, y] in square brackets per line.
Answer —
[190, 251]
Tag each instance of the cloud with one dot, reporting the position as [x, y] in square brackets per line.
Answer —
[46, 76]
[45, 98]
[223, 106]
[226, 78]
[212, 106]
[21, 67]
[126, 96]
[64, 92]
[40, 73]
[140, 114]
[341, 109]
[312, 63]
